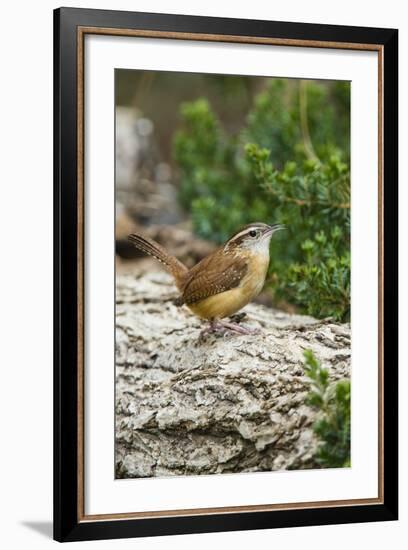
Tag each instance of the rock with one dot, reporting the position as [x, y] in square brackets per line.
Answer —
[232, 403]
[143, 183]
[178, 239]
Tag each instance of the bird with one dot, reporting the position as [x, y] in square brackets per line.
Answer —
[223, 282]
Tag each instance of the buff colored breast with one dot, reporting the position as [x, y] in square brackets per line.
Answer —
[231, 301]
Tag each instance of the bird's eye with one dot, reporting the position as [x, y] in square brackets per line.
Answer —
[252, 233]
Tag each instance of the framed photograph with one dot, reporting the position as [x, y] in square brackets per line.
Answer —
[225, 274]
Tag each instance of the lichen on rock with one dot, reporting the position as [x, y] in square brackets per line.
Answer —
[235, 403]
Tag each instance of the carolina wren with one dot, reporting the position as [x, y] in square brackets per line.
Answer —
[224, 281]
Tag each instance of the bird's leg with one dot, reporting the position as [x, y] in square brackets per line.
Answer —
[221, 327]
[238, 328]
[214, 327]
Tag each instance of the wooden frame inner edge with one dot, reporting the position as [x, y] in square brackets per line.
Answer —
[81, 32]
[80, 277]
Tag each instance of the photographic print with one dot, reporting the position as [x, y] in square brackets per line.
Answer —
[232, 289]
[225, 244]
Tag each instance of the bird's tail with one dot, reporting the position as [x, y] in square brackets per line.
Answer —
[150, 247]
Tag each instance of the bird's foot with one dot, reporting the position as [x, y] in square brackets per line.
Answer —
[222, 327]
[215, 327]
[239, 328]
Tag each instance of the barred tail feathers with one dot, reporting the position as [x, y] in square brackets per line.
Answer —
[150, 247]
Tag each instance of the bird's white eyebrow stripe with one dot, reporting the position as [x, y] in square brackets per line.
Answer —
[243, 232]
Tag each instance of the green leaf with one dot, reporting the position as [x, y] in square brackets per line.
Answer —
[332, 401]
[262, 173]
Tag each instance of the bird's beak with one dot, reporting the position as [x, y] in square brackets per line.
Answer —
[274, 227]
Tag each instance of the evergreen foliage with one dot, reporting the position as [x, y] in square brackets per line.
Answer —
[290, 165]
[333, 426]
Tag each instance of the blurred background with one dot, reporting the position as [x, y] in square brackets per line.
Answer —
[199, 155]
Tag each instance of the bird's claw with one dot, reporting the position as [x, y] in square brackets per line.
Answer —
[223, 327]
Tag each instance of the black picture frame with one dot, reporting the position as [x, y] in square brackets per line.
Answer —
[67, 333]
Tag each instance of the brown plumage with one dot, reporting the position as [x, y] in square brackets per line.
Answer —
[214, 274]
[150, 247]
[224, 281]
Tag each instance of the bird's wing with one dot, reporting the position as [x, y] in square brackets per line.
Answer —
[214, 274]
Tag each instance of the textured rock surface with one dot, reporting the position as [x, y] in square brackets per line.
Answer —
[228, 403]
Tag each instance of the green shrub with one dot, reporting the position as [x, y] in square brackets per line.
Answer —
[214, 181]
[333, 425]
[312, 265]
[289, 164]
[295, 118]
